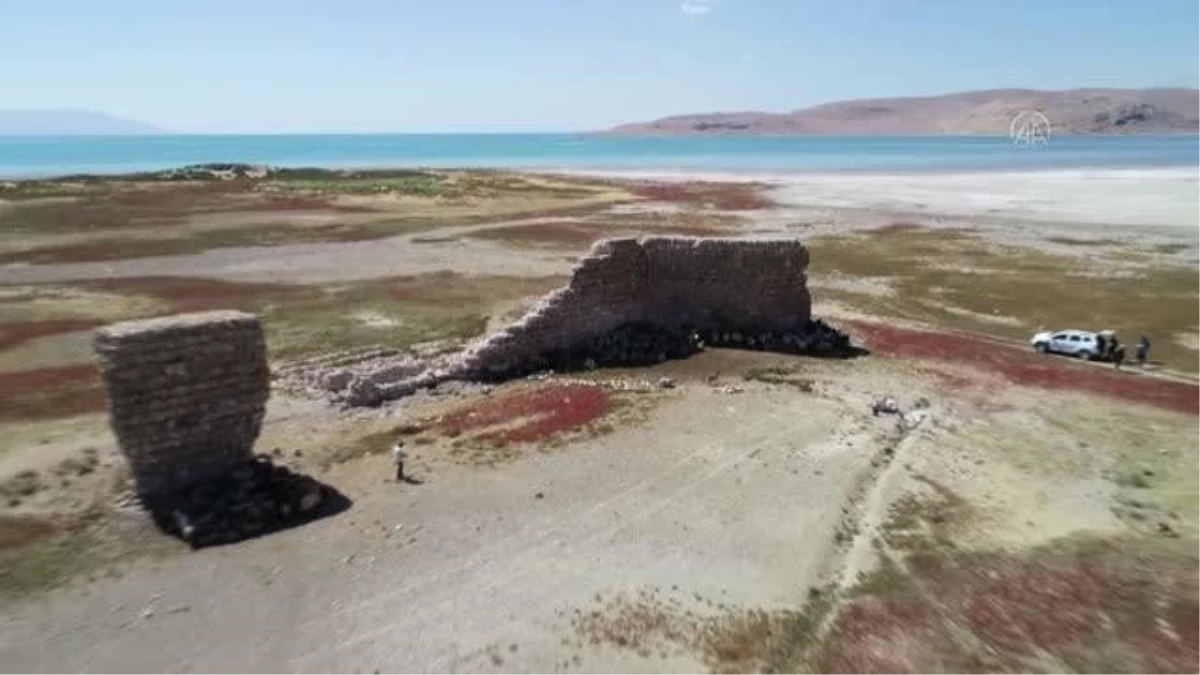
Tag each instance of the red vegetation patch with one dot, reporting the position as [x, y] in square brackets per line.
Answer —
[18, 531]
[1093, 611]
[951, 380]
[104, 249]
[26, 381]
[13, 334]
[1027, 368]
[529, 416]
[48, 393]
[872, 634]
[723, 196]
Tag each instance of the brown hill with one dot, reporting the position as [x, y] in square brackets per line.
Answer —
[1075, 111]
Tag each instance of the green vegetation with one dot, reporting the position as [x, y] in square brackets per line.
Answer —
[926, 522]
[44, 564]
[194, 209]
[416, 183]
[300, 321]
[952, 278]
[1073, 241]
[1170, 249]
[783, 375]
[39, 554]
[1150, 455]
[375, 443]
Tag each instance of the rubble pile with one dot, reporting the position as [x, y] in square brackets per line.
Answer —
[644, 344]
[632, 344]
[816, 338]
[253, 499]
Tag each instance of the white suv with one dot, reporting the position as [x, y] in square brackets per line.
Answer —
[1085, 344]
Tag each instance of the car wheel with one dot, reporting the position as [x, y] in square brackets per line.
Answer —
[1041, 348]
[1085, 355]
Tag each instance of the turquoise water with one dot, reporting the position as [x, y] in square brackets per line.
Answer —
[41, 156]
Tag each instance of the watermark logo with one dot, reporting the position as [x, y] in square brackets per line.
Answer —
[1029, 127]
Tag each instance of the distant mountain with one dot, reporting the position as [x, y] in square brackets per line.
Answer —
[69, 123]
[1075, 111]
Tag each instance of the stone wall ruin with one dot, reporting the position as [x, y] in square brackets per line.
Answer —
[729, 290]
[187, 394]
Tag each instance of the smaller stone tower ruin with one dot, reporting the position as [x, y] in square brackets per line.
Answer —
[187, 394]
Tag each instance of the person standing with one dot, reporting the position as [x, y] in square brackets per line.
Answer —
[398, 456]
[1118, 356]
[1143, 350]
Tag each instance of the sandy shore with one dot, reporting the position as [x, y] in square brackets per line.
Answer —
[1131, 197]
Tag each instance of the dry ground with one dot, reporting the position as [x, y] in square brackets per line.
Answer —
[1029, 513]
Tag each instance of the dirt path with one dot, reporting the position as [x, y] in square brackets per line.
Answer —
[731, 498]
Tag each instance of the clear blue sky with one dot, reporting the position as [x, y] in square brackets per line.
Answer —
[429, 65]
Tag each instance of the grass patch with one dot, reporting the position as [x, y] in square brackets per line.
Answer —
[782, 375]
[580, 234]
[376, 443]
[935, 271]
[1171, 248]
[50, 393]
[728, 640]
[414, 183]
[153, 214]
[927, 522]
[45, 564]
[303, 321]
[37, 555]
[1152, 454]
[1072, 241]
[28, 312]
[720, 196]
[299, 321]
[1079, 605]
[13, 334]
[121, 206]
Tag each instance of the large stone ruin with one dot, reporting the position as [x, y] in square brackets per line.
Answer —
[187, 395]
[628, 301]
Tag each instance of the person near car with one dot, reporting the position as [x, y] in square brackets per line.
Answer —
[1143, 350]
[1118, 356]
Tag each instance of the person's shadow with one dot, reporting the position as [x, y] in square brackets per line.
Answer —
[412, 480]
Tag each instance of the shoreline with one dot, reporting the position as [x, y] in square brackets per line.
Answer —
[46, 157]
[1144, 197]
[1135, 196]
[650, 173]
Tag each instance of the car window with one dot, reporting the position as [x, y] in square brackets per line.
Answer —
[1059, 336]
[1074, 338]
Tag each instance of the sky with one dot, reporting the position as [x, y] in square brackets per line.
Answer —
[362, 66]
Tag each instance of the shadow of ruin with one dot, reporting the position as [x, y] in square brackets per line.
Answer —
[628, 302]
[187, 395]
